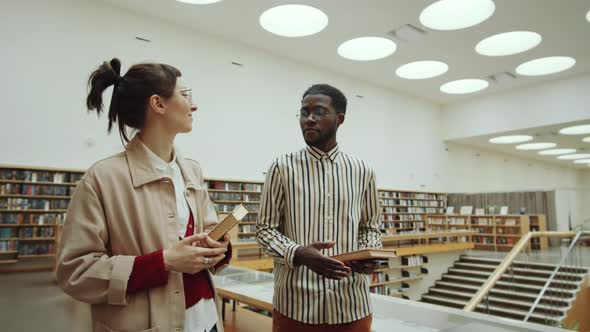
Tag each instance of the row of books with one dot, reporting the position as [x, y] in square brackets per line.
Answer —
[450, 221]
[35, 189]
[38, 204]
[36, 232]
[36, 248]
[397, 194]
[7, 232]
[8, 246]
[39, 176]
[220, 185]
[250, 217]
[412, 260]
[219, 196]
[32, 218]
[248, 228]
[393, 210]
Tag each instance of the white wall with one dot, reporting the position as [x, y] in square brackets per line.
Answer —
[546, 104]
[246, 115]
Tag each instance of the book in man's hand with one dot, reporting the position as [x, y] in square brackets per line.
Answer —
[229, 222]
[366, 254]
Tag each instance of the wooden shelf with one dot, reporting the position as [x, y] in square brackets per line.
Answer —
[44, 183]
[395, 268]
[36, 256]
[508, 235]
[235, 202]
[45, 169]
[432, 248]
[8, 252]
[27, 225]
[483, 234]
[33, 211]
[396, 281]
[8, 261]
[234, 191]
[36, 196]
[423, 235]
[36, 239]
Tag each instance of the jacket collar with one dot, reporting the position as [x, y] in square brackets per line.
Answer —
[142, 168]
[319, 154]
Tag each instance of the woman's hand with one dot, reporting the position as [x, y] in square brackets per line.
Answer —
[185, 257]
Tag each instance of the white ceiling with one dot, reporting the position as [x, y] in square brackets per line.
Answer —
[540, 134]
[561, 23]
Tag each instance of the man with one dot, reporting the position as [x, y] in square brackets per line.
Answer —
[319, 202]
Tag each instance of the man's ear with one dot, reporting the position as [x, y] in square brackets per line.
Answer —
[341, 118]
[156, 104]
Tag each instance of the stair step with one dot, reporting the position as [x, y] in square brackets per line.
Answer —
[516, 277]
[496, 262]
[546, 273]
[532, 296]
[481, 280]
[461, 303]
[502, 300]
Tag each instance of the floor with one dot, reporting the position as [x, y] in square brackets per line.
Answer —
[34, 302]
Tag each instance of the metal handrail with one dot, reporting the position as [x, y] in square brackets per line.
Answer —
[552, 276]
[497, 274]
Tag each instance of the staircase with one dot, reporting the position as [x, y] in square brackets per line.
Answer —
[515, 292]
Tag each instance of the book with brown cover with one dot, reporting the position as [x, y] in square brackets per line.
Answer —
[230, 221]
[365, 254]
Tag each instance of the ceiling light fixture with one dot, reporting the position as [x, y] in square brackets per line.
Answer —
[582, 161]
[556, 152]
[456, 14]
[508, 43]
[293, 20]
[464, 86]
[574, 156]
[367, 48]
[576, 130]
[536, 146]
[546, 66]
[511, 139]
[422, 70]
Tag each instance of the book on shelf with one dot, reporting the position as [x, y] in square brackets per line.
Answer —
[466, 210]
[365, 254]
[480, 211]
[504, 210]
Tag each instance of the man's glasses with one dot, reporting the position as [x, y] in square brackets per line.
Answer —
[316, 115]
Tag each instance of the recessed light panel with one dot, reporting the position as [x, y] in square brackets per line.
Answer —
[582, 161]
[511, 139]
[456, 14]
[546, 66]
[199, 2]
[464, 86]
[508, 43]
[421, 70]
[367, 48]
[293, 20]
[536, 146]
[556, 152]
[587, 140]
[576, 130]
[574, 156]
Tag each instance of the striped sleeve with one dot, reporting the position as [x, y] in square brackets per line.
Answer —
[369, 234]
[271, 215]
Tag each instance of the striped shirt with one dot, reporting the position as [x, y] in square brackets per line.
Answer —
[311, 196]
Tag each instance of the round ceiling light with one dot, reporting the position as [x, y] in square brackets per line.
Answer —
[199, 2]
[367, 48]
[511, 139]
[422, 70]
[576, 130]
[456, 14]
[587, 140]
[508, 43]
[546, 66]
[536, 146]
[582, 161]
[293, 20]
[556, 152]
[574, 156]
[464, 86]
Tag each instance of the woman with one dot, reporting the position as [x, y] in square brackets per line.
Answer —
[134, 244]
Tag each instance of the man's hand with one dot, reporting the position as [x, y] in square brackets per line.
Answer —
[365, 266]
[325, 266]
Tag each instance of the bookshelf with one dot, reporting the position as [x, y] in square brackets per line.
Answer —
[492, 232]
[403, 210]
[33, 205]
[538, 223]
